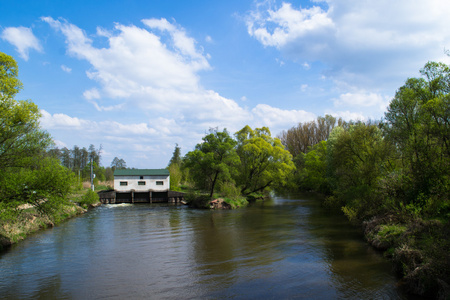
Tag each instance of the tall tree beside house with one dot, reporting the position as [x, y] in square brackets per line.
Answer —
[213, 161]
[175, 170]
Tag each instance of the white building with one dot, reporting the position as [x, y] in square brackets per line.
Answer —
[142, 180]
[141, 185]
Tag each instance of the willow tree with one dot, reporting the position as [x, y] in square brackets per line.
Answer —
[264, 160]
[213, 161]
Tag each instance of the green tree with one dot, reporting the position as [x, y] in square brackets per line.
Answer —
[313, 175]
[418, 123]
[175, 169]
[214, 160]
[358, 158]
[27, 173]
[264, 161]
[176, 157]
[20, 133]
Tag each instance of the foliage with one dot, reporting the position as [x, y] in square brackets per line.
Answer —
[212, 161]
[237, 202]
[88, 199]
[45, 184]
[175, 176]
[393, 175]
[264, 161]
[313, 175]
[20, 134]
[176, 157]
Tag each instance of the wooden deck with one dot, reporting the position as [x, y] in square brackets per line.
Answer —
[115, 197]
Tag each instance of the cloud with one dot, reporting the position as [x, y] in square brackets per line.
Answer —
[278, 119]
[362, 99]
[370, 45]
[66, 69]
[23, 39]
[150, 70]
[152, 73]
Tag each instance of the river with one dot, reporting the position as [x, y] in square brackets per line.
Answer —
[285, 248]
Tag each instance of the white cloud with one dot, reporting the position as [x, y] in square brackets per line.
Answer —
[152, 73]
[23, 39]
[149, 72]
[362, 99]
[91, 94]
[348, 115]
[362, 45]
[66, 69]
[278, 119]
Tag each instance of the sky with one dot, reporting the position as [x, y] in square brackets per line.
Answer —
[139, 77]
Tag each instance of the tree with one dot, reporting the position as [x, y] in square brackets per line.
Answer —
[176, 157]
[175, 170]
[10, 85]
[358, 157]
[264, 161]
[118, 163]
[213, 161]
[20, 132]
[27, 173]
[299, 138]
[418, 123]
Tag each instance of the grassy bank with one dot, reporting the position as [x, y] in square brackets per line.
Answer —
[419, 249]
[23, 219]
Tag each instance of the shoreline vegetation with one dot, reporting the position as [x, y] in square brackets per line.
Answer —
[26, 219]
[391, 176]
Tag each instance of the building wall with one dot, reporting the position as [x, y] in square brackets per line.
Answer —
[150, 183]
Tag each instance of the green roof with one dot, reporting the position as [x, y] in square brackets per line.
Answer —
[141, 172]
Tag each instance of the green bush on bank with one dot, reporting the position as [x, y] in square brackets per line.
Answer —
[88, 199]
[237, 202]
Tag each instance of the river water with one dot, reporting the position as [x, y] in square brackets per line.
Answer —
[285, 248]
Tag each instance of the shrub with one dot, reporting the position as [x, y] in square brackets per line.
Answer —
[88, 199]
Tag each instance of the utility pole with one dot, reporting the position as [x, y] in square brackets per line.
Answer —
[92, 175]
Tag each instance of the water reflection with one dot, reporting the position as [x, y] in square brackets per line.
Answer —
[284, 248]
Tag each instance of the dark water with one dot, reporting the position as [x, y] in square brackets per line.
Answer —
[280, 249]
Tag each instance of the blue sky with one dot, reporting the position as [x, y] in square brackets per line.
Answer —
[139, 77]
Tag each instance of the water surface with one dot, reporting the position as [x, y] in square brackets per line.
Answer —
[285, 248]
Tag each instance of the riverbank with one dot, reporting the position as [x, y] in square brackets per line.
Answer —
[419, 249]
[26, 219]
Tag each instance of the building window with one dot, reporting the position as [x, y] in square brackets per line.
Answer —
[141, 177]
[123, 183]
[160, 183]
[141, 182]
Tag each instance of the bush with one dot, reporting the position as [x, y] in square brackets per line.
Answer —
[88, 199]
[237, 202]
